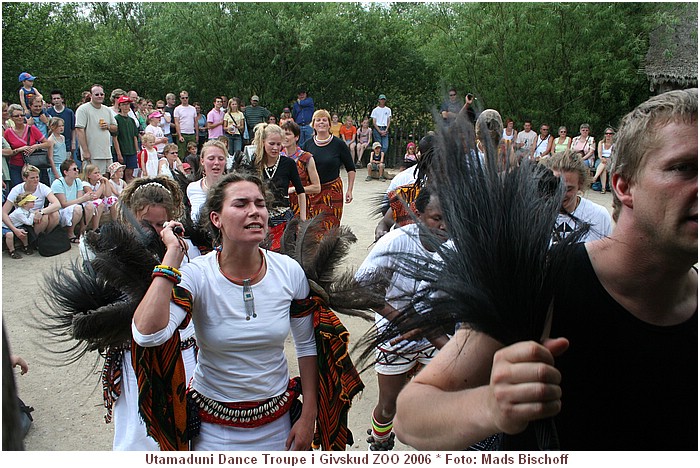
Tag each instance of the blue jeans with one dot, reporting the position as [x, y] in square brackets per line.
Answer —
[235, 143]
[384, 140]
[305, 134]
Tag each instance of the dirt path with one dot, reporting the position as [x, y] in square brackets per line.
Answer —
[68, 399]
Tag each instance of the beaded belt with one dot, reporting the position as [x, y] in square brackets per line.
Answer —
[246, 414]
[190, 342]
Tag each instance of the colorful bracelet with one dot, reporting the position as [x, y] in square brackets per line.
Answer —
[166, 267]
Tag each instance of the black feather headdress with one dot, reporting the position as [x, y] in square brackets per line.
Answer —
[497, 273]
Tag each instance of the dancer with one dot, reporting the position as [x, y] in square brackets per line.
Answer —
[306, 166]
[249, 373]
[330, 153]
[620, 301]
[89, 309]
[396, 361]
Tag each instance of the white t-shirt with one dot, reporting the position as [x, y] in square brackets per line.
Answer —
[597, 216]
[197, 197]
[158, 133]
[187, 116]
[98, 141]
[526, 137]
[380, 116]
[401, 289]
[241, 360]
[42, 191]
[405, 177]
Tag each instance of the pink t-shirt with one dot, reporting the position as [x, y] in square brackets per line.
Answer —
[187, 116]
[215, 117]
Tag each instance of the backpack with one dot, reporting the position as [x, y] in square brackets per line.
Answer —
[53, 243]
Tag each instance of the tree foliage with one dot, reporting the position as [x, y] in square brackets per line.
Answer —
[560, 63]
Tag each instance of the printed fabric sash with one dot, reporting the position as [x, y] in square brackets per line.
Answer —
[401, 198]
[160, 373]
[329, 201]
[339, 381]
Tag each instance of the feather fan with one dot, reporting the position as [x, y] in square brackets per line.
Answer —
[497, 276]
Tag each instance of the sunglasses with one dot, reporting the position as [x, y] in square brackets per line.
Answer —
[184, 97]
[161, 107]
[609, 133]
[98, 94]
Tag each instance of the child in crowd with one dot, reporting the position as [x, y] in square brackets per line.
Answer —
[364, 136]
[335, 125]
[347, 133]
[126, 141]
[191, 159]
[155, 129]
[21, 216]
[94, 181]
[148, 157]
[60, 154]
[170, 162]
[187, 169]
[410, 158]
[27, 92]
[376, 162]
[117, 184]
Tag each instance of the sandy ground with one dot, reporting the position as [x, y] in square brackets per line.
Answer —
[68, 399]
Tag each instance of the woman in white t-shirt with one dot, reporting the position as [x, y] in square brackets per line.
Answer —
[241, 364]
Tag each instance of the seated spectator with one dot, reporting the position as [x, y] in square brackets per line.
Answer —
[21, 217]
[70, 193]
[602, 165]
[95, 182]
[335, 125]
[584, 145]
[543, 144]
[47, 206]
[376, 162]
[410, 158]
[170, 161]
[347, 133]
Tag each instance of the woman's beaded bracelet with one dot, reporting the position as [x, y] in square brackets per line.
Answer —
[168, 273]
[166, 267]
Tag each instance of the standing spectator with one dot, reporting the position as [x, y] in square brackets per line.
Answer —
[381, 119]
[254, 114]
[364, 138]
[27, 92]
[525, 141]
[24, 140]
[37, 116]
[584, 145]
[202, 132]
[168, 110]
[154, 128]
[234, 124]
[215, 119]
[542, 148]
[58, 141]
[59, 109]
[185, 123]
[126, 140]
[94, 124]
[450, 107]
[272, 119]
[302, 113]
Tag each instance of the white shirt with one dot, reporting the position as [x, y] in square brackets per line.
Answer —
[187, 116]
[241, 360]
[405, 177]
[592, 213]
[380, 116]
[42, 191]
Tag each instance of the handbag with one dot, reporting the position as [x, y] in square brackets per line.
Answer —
[53, 243]
[39, 157]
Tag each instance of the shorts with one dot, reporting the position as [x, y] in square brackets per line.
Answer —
[5, 231]
[102, 164]
[130, 161]
[66, 216]
[391, 360]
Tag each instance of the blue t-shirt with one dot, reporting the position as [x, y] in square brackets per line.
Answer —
[70, 191]
[41, 126]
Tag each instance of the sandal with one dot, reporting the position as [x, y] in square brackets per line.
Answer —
[27, 250]
[16, 255]
[75, 240]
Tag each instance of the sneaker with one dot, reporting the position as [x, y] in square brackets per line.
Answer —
[16, 255]
[28, 250]
[368, 178]
[382, 178]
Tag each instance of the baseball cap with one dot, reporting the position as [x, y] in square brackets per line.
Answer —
[155, 115]
[114, 167]
[286, 109]
[376, 145]
[27, 199]
[381, 96]
[186, 166]
[26, 76]
[123, 99]
[254, 97]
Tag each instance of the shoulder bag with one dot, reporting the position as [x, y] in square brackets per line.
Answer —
[39, 157]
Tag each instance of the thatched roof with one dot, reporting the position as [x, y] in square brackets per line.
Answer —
[672, 58]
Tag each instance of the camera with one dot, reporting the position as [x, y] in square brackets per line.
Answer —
[470, 96]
